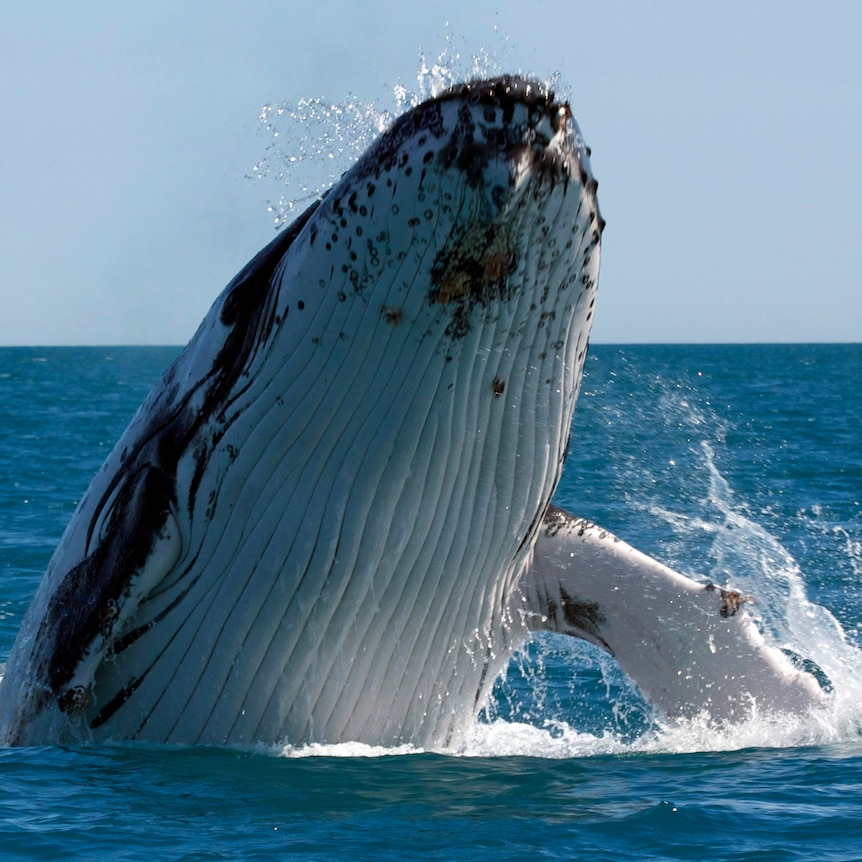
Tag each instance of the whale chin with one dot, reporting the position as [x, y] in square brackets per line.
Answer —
[331, 518]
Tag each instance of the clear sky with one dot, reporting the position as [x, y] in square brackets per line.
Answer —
[726, 139]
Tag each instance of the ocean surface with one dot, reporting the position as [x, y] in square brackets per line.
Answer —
[738, 464]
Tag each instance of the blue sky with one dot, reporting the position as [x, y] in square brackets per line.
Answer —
[725, 137]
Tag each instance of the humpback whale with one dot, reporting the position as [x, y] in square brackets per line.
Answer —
[331, 519]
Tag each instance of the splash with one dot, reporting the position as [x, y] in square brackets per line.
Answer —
[760, 564]
[312, 141]
[450, 67]
[342, 749]
[562, 740]
[749, 558]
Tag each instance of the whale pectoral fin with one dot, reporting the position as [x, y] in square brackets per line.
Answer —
[691, 648]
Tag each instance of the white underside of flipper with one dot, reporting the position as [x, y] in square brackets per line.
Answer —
[690, 647]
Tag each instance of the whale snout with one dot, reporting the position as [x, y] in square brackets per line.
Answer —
[510, 132]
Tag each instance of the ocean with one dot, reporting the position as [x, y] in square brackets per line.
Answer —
[732, 463]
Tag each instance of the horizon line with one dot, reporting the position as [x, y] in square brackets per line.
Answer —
[179, 346]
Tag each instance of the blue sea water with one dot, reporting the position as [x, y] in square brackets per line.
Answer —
[730, 463]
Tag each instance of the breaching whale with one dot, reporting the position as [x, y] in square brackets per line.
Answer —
[331, 520]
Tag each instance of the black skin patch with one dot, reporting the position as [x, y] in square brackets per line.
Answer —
[569, 613]
[503, 94]
[462, 150]
[76, 613]
[244, 311]
[555, 519]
